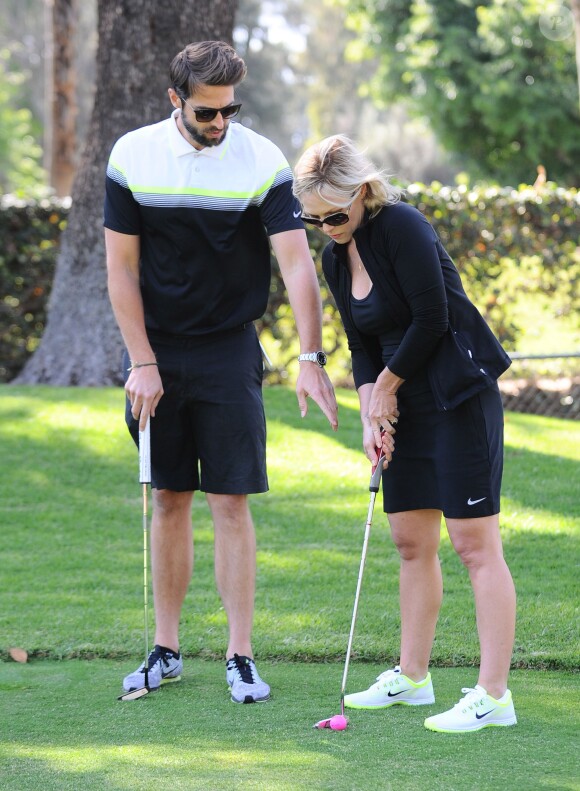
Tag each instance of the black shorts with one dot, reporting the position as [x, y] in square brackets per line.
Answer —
[209, 429]
[451, 461]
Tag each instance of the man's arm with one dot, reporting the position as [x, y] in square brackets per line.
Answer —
[299, 275]
[143, 388]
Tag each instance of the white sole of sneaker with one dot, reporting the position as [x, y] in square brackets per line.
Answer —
[170, 680]
[153, 689]
[249, 699]
[505, 724]
[388, 705]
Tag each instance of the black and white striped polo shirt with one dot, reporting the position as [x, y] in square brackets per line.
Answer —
[203, 218]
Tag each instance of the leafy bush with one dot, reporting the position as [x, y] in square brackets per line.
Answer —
[29, 241]
[508, 242]
[505, 242]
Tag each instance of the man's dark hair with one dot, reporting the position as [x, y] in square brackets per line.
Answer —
[205, 63]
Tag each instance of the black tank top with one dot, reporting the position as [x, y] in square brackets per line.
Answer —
[371, 318]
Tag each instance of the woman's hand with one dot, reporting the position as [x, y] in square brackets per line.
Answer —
[372, 450]
[383, 411]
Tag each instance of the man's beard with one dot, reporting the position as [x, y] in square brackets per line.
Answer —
[200, 137]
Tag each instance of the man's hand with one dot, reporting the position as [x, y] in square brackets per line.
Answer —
[144, 390]
[313, 382]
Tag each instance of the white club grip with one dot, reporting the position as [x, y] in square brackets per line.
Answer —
[145, 454]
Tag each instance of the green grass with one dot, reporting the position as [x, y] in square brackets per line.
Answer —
[68, 731]
[71, 581]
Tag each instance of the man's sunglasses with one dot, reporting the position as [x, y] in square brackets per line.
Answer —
[204, 115]
[338, 218]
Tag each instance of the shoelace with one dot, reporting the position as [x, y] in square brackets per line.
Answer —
[155, 656]
[388, 675]
[471, 696]
[244, 667]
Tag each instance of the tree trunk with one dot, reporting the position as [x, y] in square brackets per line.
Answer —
[63, 110]
[576, 12]
[137, 41]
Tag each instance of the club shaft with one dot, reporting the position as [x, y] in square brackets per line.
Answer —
[145, 479]
[145, 584]
[357, 595]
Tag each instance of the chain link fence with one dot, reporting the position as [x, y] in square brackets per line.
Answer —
[543, 384]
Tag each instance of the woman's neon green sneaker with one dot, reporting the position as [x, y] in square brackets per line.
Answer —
[393, 687]
[475, 711]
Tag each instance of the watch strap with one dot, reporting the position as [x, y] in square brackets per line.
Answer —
[318, 357]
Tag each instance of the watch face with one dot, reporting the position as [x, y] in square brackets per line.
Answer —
[321, 358]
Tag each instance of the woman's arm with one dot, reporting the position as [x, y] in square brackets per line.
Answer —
[412, 247]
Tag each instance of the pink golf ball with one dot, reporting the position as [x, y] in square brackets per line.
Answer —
[338, 722]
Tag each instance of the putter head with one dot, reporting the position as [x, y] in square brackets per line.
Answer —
[135, 694]
[322, 723]
[337, 723]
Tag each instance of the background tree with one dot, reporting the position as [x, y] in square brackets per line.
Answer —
[493, 85]
[339, 101]
[274, 93]
[20, 154]
[26, 87]
[62, 23]
[575, 4]
[137, 40]
[21, 44]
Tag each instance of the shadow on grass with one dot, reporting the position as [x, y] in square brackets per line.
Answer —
[72, 733]
[72, 546]
[521, 465]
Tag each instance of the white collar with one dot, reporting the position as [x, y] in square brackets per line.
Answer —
[181, 147]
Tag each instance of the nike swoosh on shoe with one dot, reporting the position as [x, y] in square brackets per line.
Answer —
[481, 716]
[394, 694]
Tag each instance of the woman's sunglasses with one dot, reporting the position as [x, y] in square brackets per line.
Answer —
[338, 218]
[204, 115]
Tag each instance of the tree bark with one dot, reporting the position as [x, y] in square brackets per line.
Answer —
[137, 41]
[62, 96]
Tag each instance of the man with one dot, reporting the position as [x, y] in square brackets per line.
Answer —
[190, 204]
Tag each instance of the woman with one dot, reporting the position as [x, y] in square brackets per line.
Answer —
[424, 361]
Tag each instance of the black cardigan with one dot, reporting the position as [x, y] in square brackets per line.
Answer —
[423, 294]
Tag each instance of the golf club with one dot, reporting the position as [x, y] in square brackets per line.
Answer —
[339, 722]
[144, 479]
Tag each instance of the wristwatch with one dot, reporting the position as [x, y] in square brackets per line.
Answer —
[314, 357]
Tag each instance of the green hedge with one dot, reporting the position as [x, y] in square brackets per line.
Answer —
[506, 243]
[29, 241]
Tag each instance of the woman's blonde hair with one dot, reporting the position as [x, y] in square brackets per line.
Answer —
[335, 170]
